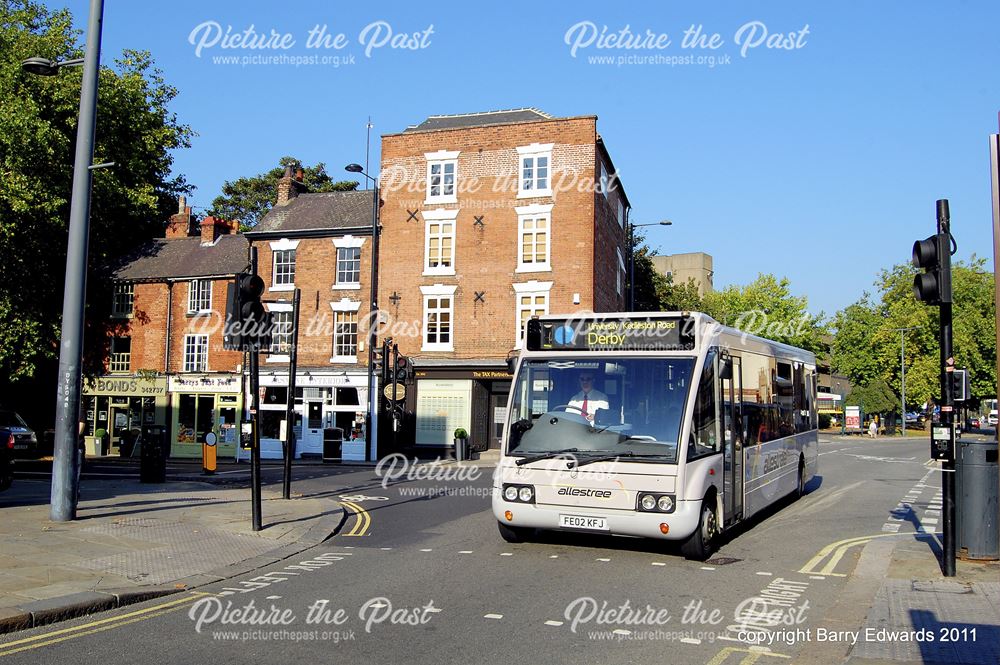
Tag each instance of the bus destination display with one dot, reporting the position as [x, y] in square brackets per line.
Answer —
[646, 334]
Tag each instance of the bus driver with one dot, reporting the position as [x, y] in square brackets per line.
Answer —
[588, 400]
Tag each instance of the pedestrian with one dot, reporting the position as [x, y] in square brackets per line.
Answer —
[873, 428]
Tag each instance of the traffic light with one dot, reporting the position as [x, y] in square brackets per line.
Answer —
[403, 370]
[960, 385]
[933, 254]
[248, 324]
[382, 360]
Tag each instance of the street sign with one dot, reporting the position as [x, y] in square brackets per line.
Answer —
[394, 392]
[852, 418]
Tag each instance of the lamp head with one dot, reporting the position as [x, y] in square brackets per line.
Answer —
[40, 66]
[354, 168]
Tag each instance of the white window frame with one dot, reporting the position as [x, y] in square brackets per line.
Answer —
[532, 212]
[533, 152]
[341, 306]
[122, 292]
[532, 289]
[282, 245]
[440, 217]
[620, 273]
[195, 350]
[273, 357]
[442, 158]
[347, 242]
[120, 362]
[197, 298]
[437, 292]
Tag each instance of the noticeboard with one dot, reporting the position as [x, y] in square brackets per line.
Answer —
[852, 418]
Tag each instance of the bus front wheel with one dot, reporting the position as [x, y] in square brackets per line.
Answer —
[513, 534]
[699, 544]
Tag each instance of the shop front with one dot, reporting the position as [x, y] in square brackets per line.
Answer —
[473, 398]
[322, 401]
[203, 403]
[115, 408]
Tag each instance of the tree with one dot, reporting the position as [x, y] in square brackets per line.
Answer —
[874, 398]
[867, 342]
[680, 297]
[649, 282]
[766, 307]
[249, 198]
[130, 201]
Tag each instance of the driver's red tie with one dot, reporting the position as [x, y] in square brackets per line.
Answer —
[584, 408]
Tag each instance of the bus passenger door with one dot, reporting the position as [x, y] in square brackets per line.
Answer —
[732, 421]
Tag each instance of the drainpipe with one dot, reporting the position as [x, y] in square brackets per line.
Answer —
[166, 345]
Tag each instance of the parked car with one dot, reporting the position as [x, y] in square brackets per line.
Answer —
[6, 459]
[915, 419]
[972, 423]
[25, 442]
[991, 419]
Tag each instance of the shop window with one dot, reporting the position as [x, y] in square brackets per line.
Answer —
[348, 397]
[195, 417]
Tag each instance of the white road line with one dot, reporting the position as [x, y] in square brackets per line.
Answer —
[816, 577]
[765, 574]
[932, 513]
[506, 554]
[690, 640]
[659, 563]
[708, 568]
[891, 528]
[465, 551]
[553, 623]
[604, 560]
[553, 556]
[427, 549]
[273, 597]
[385, 549]
[492, 616]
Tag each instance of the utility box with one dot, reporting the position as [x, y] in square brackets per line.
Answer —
[153, 450]
[333, 443]
[977, 487]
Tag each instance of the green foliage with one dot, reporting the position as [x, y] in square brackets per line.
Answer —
[766, 307]
[874, 397]
[130, 202]
[680, 297]
[249, 198]
[649, 283]
[461, 433]
[867, 344]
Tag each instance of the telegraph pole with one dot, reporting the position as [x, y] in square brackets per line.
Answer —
[254, 350]
[902, 372]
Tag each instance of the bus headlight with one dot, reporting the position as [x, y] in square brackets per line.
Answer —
[519, 493]
[656, 503]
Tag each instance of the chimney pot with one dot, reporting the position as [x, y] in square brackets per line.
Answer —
[298, 174]
[182, 204]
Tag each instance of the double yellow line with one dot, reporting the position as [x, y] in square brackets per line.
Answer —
[363, 519]
[64, 634]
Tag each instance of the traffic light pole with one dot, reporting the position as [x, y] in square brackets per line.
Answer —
[293, 361]
[947, 390]
[254, 429]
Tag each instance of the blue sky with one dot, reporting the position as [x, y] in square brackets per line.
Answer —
[821, 163]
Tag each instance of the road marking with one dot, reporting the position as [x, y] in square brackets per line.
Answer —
[63, 634]
[765, 574]
[659, 563]
[816, 577]
[604, 560]
[386, 549]
[838, 549]
[492, 616]
[465, 551]
[362, 519]
[690, 640]
[553, 623]
[708, 568]
[427, 549]
[506, 554]
[755, 653]
[891, 528]
[553, 556]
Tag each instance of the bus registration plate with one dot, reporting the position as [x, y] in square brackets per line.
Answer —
[583, 522]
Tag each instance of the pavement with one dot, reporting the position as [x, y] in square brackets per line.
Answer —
[133, 541]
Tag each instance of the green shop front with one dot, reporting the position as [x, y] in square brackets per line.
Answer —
[203, 403]
[115, 408]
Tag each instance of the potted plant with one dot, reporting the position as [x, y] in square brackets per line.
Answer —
[461, 444]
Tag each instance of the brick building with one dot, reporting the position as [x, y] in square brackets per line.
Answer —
[166, 365]
[321, 244]
[488, 219]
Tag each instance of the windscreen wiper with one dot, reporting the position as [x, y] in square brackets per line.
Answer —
[548, 455]
[575, 464]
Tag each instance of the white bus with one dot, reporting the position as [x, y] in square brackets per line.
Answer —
[660, 425]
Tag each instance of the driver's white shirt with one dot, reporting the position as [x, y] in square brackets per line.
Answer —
[595, 400]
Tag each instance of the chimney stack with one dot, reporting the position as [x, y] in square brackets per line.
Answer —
[213, 227]
[179, 225]
[290, 185]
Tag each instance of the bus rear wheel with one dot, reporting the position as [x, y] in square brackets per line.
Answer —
[513, 534]
[699, 544]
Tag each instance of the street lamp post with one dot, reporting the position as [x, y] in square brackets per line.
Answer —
[631, 268]
[902, 372]
[64, 465]
[372, 317]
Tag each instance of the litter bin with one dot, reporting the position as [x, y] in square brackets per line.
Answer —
[977, 488]
[153, 451]
[333, 443]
